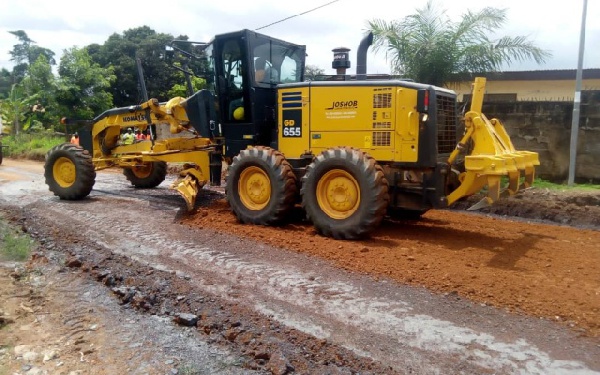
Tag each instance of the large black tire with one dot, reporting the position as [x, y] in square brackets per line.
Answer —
[261, 186]
[147, 175]
[1, 153]
[69, 171]
[344, 193]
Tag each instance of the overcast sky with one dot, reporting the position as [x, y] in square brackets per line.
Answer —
[61, 24]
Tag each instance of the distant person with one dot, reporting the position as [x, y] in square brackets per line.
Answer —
[128, 138]
[139, 136]
[75, 139]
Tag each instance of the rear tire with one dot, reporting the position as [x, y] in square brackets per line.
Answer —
[69, 171]
[146, 175]
[261, 186]
[344, 193]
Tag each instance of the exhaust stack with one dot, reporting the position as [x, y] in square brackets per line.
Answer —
[341, 60]
[361, 56]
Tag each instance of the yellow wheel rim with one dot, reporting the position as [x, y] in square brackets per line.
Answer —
[338, 194]
[254, 188]
[64, 172]
[142, 171]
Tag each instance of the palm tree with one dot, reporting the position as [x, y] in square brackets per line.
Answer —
[428, 47]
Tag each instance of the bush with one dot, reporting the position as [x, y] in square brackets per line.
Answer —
[30, 146]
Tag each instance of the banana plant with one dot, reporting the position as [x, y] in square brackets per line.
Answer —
[16, 109]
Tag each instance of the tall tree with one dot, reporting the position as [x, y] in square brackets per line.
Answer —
[428, 47]
[6, 81]
[121, 51]
[25, 53]
[40, 81]
[83, 86]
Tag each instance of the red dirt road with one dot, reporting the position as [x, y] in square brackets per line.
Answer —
[542, 270]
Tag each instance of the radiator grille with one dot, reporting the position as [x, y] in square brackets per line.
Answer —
[382, 138]
[382, 125]
[382, 100]
[446, 123]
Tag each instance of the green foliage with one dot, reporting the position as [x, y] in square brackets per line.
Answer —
[120, 53]
[28, 92]
[30, 146]
[181, 89]
[543, 184]
[16, 109]
[25, 53]
[90, 80]
[41, 82]
[428, 47]
[6, 82]
[14, 244]
[83, 87]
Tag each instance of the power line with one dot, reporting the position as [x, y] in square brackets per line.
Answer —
[299, 14]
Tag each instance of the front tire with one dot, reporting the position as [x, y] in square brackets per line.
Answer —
[69, 172]
[146, 175]
[344, 193]
[261, 186]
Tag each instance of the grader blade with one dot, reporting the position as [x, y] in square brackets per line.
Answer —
[190, 181]
[188, 189]
[493, 156]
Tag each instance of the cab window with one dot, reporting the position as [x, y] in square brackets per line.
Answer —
[275, 63]
[233, 71]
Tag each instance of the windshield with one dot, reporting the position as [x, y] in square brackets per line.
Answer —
[276, 62]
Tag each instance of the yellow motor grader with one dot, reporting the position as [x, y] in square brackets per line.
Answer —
[348, 149]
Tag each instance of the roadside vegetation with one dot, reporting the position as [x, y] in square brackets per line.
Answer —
[14, 244]
[543, 184]
[30, 146]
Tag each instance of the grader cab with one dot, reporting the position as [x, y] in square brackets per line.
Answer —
[349, 149]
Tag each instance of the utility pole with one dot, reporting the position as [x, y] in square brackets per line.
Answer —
[577, 100]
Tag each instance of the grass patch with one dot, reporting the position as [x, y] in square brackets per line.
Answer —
[188, 369]
[30, 146]
[14, 244]
[543, 184]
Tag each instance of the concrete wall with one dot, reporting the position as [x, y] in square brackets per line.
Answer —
[547, 90]
[545, 127]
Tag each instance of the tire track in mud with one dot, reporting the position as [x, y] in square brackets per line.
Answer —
[100, 258]
[394, 325]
